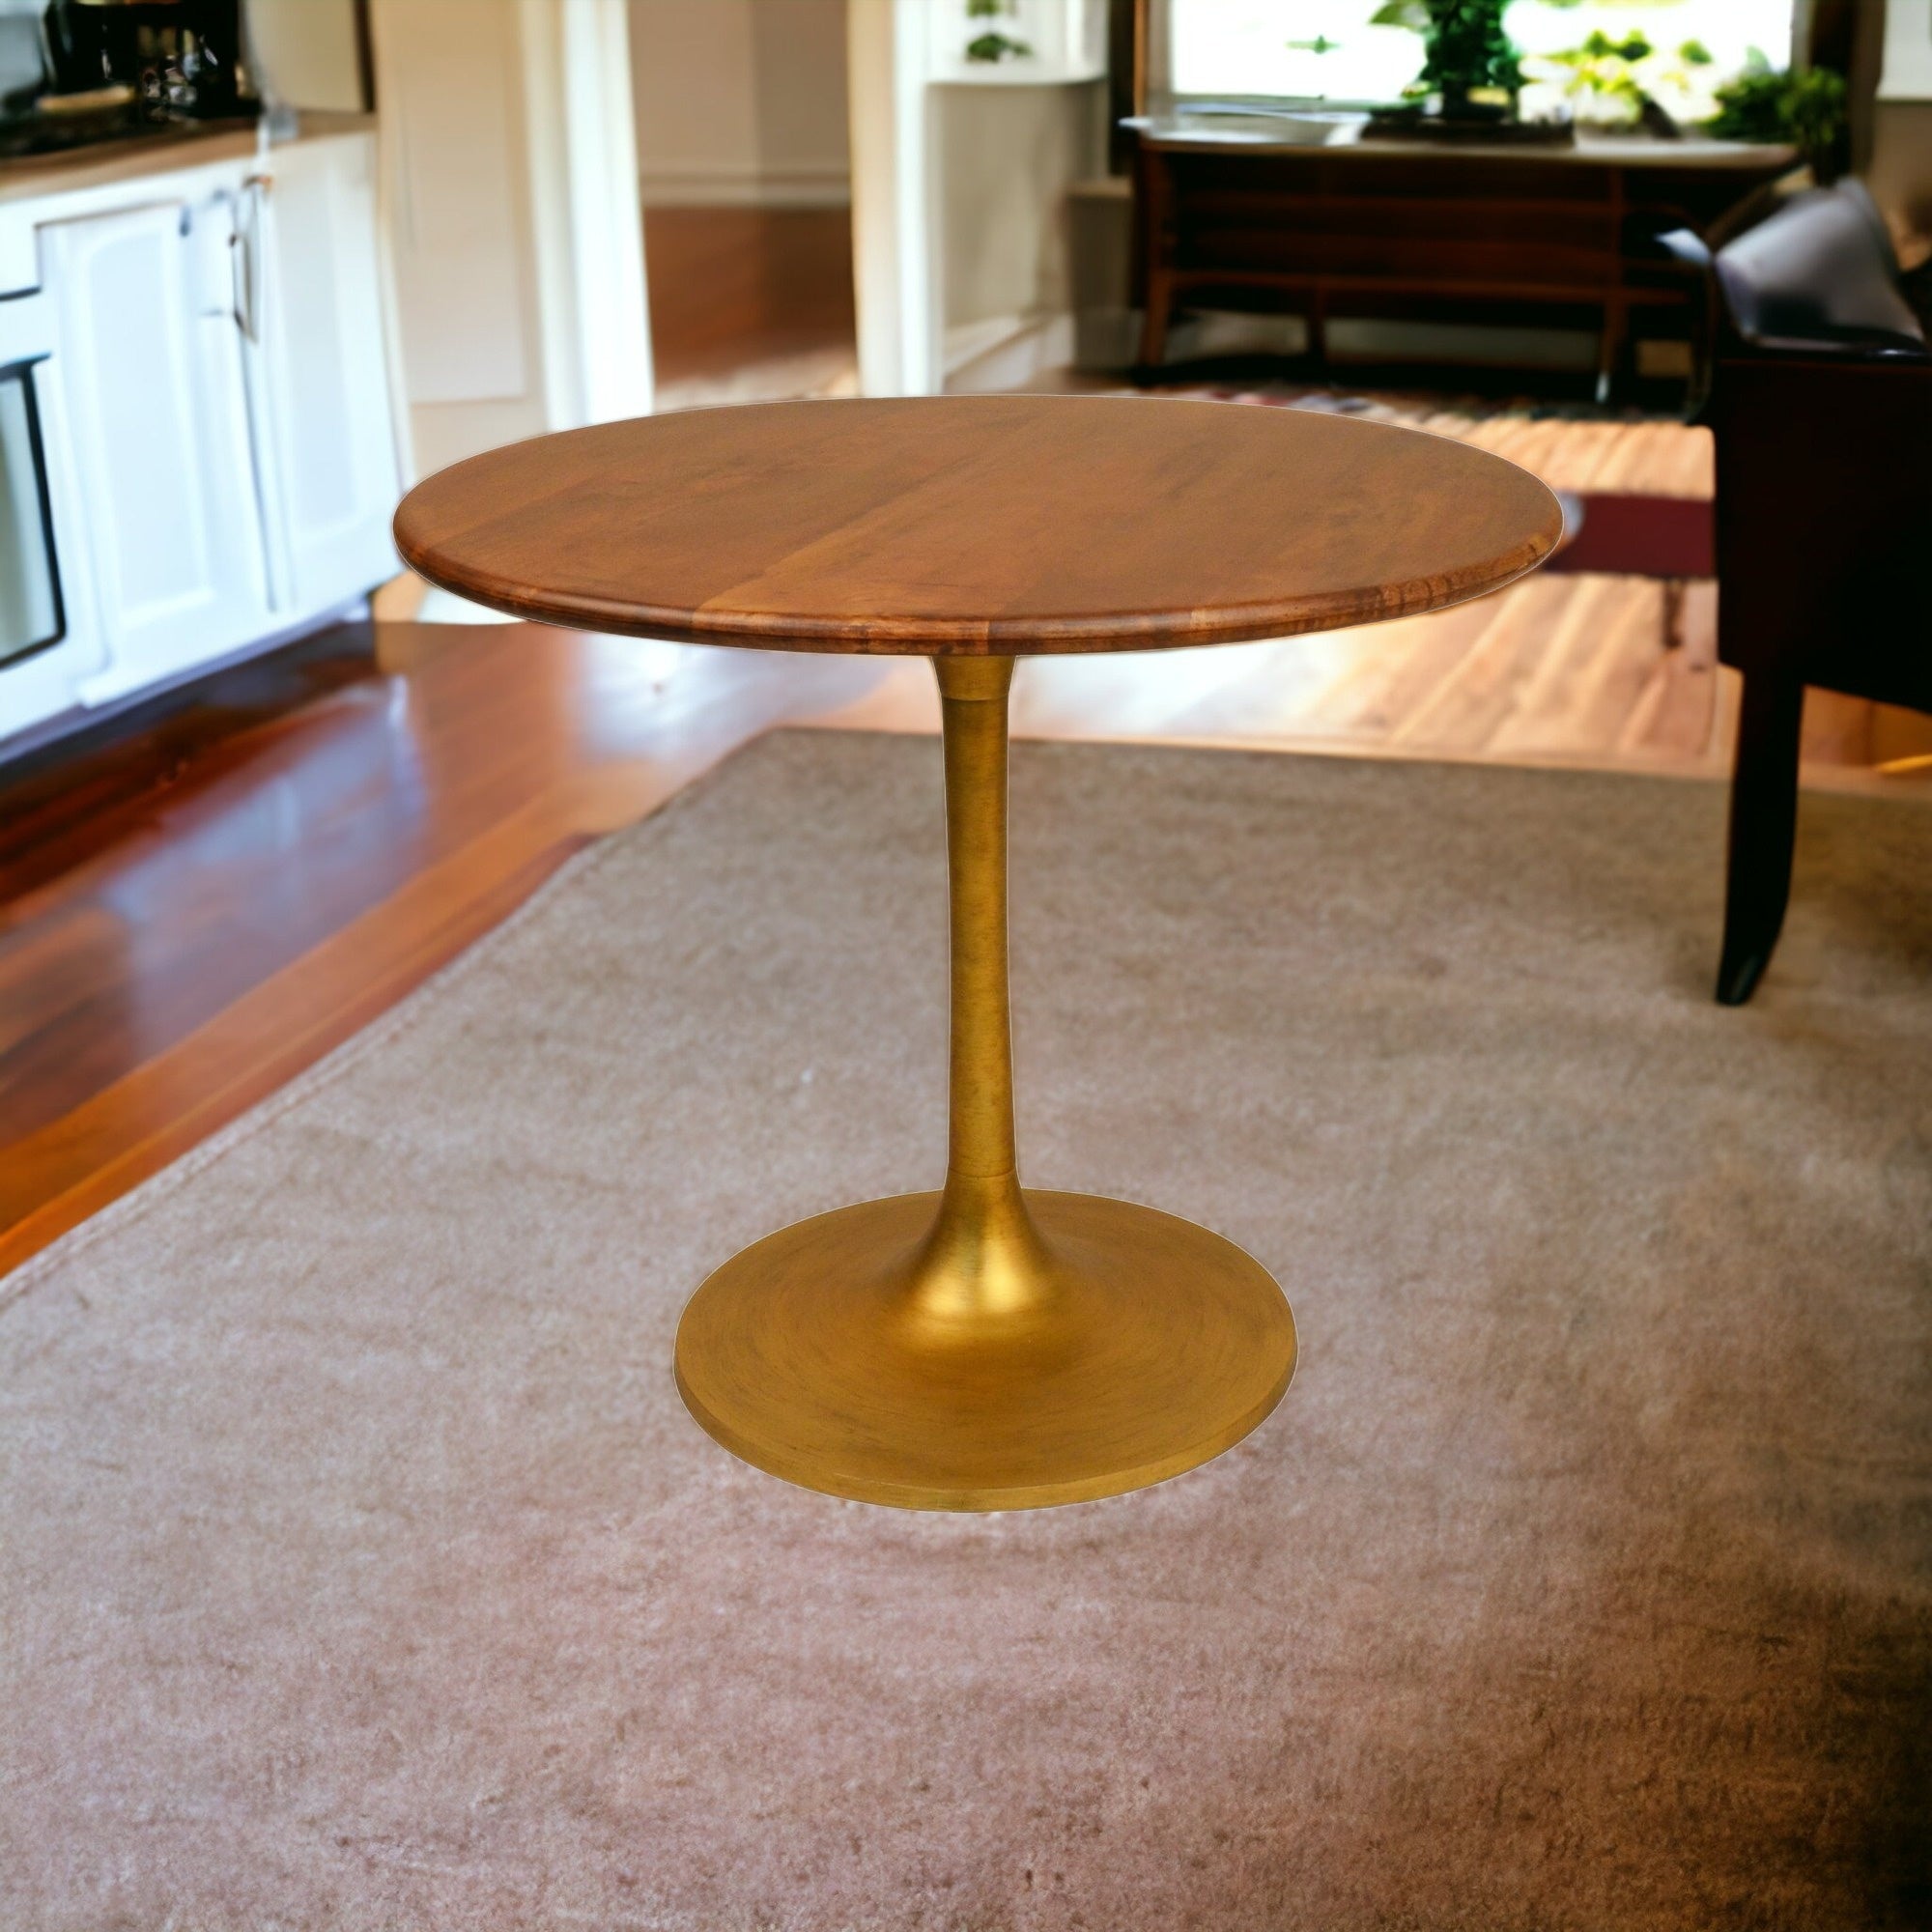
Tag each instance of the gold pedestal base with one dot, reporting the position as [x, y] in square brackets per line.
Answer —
[984, 1349]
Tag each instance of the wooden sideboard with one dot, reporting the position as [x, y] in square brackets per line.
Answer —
[1227, 213]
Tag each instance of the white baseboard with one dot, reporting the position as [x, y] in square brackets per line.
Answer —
[1006, 352]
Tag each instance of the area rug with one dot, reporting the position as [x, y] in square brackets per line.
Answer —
[362, 1568]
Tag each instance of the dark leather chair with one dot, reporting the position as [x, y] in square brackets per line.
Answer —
[1817, 384]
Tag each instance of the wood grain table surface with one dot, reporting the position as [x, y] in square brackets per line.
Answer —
[977, 525]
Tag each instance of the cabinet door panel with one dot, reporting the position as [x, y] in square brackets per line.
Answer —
[150, 366]
[327, 370]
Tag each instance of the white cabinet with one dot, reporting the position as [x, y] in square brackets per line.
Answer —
[150, 362]
[210, 355]
[313, 311]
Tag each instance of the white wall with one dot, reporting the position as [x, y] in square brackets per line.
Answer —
[960, 210]
[1008, 157]
[741, 102]
[1900, 170]
[306, 48]
[1908, 51]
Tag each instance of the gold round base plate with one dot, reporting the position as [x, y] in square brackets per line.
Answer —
[1145, 1347]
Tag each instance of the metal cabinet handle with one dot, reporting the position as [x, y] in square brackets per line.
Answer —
[247, 258]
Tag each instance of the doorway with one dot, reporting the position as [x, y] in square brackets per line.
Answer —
[746, 182]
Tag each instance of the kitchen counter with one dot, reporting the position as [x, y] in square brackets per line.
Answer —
[166, 150]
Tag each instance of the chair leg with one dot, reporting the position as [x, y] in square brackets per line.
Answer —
[1610, 346]
[1153, 330]
[1318, 333]
[1764, 824]
[1673, 612]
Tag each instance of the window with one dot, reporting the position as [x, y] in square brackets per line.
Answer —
[1330, 49]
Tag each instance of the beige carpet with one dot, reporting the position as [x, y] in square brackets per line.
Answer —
[362, 1568]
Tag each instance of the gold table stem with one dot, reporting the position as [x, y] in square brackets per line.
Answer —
[985, 1346]
[984, 1262]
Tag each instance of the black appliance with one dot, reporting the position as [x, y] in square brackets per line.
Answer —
[183, 58]
[112, 70]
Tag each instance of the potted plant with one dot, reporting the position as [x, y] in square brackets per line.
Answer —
[1767, 104]
[990, 44]
[1468, 63]
[1472, 73]
[1620, 75]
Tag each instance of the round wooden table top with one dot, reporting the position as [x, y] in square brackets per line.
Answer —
[977, 525]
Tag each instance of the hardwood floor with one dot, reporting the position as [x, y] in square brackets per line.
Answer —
[1636, 459]
[749, 302]
[193, 911]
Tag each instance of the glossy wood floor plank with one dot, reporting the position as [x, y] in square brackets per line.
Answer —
[734, 287]
[135, 1125]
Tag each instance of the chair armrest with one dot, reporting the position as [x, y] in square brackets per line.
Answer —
[1853, 351]
[1818, 277]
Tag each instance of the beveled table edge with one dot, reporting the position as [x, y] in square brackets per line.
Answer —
[886, 635]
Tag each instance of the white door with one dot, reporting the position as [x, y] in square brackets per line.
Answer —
[312, 303]
[149, 360]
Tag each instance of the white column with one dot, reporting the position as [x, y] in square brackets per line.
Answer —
[607, 222]
[894, 219]
[588, 227]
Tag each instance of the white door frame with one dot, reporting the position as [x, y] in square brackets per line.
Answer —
[895, 198]
[589, 226]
